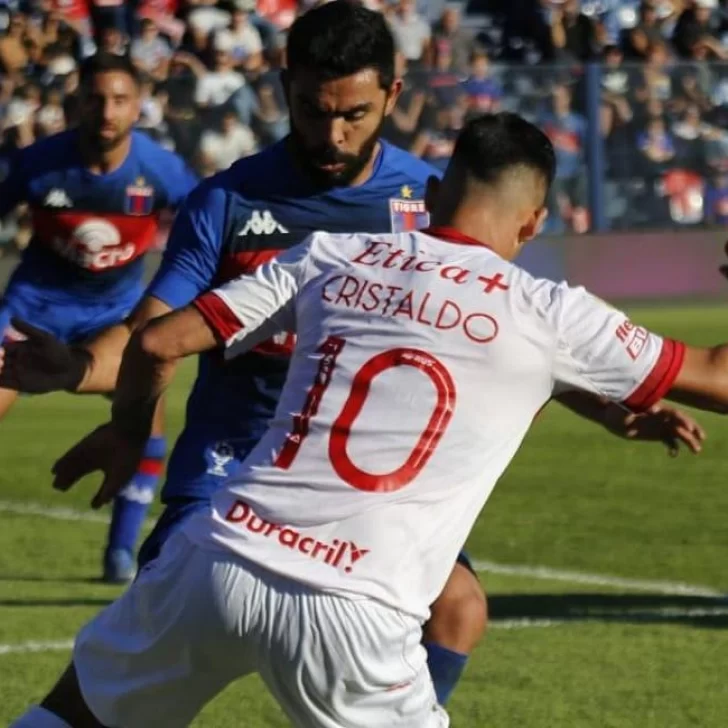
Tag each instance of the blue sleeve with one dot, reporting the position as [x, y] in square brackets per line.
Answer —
[194, 248]
[14, 188]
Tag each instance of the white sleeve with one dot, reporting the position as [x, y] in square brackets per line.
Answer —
[600, 350]
[256, 306]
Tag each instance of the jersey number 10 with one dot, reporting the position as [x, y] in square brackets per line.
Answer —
[341, 428]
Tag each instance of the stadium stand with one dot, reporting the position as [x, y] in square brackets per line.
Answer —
[633, 94]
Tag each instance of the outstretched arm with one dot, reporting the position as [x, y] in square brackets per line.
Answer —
[659, 423]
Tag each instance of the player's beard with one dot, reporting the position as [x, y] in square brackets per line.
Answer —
[105, 144]
[310, 159]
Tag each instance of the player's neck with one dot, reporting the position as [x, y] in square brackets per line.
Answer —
[480, 227]
[103, 161]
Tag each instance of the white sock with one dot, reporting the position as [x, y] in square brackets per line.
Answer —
[37, 717]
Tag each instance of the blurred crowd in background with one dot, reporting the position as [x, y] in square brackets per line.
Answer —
[633, 94]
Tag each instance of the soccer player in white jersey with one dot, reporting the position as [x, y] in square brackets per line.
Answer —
[422, 359]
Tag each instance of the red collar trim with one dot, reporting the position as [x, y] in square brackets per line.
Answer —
[451, 235]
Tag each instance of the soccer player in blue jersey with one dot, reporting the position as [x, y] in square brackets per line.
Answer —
[95, 194]
[332, 173]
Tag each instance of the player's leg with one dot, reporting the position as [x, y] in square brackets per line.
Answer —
[64, 707]
[457, 623]
[131, 506]
[175, 513]
[165, 648]
[7, 396]
[333, 662]
[133, 502]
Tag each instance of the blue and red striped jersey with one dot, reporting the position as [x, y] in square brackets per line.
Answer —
[228, 226]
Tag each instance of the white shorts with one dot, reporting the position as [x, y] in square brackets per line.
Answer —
[197, 619]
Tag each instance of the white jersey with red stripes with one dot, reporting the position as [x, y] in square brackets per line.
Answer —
[421, 361]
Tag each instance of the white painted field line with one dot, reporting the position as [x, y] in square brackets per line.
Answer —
[23, 647]
[58, 513]
[578, 577]
[545, 573]
[505, 624]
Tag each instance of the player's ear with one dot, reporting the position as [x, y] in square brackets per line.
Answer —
[392, 95]
[432, 189]
[533, 225]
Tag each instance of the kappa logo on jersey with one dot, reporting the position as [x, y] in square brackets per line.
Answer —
[57, 198]
[95, 245]
[139, 198]
[634, 337]
[262, 223]
[218, 458]
[337, 554]
[407, 214]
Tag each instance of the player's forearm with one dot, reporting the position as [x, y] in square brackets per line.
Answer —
[148, 365]
[102, 370]
[142, 380]
[703, 379]
[589, 406]
[107, 349]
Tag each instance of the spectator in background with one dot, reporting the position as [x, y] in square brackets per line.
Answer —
[247, 45]
[572, 33]
[716, 200]
[196, 42]
[653, 78]
[113, 40]
[150, 52]
[271, 116]
[220, 148]
[206, 17]
[412, 32]
[447, 30]
[445, 85]
[482, 92]
[13, 54]
[111, 13]
[616, 113]
[646, 33]
[657, 147]
[688, 134]
[162, 12]
[615, 86]
[185, 126]
[567, 132]
[695, 23]
[436, 140]
[402, 124]
[216, 87]
[51, 118]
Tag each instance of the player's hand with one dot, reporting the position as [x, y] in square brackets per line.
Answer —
[116, 456]
[660, 423]
[40, 363]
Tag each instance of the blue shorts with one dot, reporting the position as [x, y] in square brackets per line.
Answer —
[68, 319]
[178, 510]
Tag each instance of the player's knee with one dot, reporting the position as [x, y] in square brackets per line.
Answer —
[65, 701]
[459, 617]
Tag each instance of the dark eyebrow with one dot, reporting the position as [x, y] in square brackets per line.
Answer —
[363, 107]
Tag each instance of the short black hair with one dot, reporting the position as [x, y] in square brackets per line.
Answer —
[104, 62]
[491, 144]
[341, 38]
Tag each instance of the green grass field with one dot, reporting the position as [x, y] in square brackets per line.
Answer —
[565, 650]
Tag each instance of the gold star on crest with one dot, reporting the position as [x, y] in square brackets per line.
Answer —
[407, 192]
